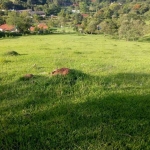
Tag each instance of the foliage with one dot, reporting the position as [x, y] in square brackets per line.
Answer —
[91, 27]
[83, 7]
[75, 12]
[21, 21]
[1, 20]
[7, 4]
[9, 34]
[108, 27]
[52, 9]
[132, 29]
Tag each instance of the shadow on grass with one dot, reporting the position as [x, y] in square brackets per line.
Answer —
[24, 54]
[10, 37]
[71, 112]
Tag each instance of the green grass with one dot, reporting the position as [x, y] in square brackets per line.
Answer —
[104, 104]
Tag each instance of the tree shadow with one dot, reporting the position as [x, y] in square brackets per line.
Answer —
[71, 112]
[42, 87]
[10, 37]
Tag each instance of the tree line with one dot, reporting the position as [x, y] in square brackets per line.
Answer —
[124, 19]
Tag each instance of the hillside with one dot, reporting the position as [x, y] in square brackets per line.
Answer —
[102, 104]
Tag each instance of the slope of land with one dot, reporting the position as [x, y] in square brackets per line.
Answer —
[104, 104]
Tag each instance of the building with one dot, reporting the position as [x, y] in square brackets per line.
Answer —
[8, 28]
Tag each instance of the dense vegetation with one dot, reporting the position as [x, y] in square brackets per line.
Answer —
[104, 104]
[124, 19]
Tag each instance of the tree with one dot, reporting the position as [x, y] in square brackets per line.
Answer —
[131, 29]
[108, 26]
[1, 20]
[84, 23]
[53, 9]
[57, 2]
[91, 27]
[21, 21]
[147, 15]
[7, 5]
[77, 18]
[12, 18]
[83, 7]
[108, 13]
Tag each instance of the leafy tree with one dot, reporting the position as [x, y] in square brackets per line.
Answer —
[35, 18]
[57, 2]
[62, 13]
[1, 20]
[83, 7]
[108, 13]
[108, 26]
[100, 14]
[144, 8]
[84, 23]
[147, 15]
[21, 21]
[53, 9]
[7, 5]
[12, 18]
[51, 23]
[125, 9]
[92, 8]
[91, 27]
[29, 3]
[131, 29]
[77, 18]
[114, 7]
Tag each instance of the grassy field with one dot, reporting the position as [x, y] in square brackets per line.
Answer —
[104, 105]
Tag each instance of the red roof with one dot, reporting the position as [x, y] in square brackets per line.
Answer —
[6, 27]
[40, 26]
[32, 29]
[43, 26]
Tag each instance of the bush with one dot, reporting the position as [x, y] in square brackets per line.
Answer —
[9, 34]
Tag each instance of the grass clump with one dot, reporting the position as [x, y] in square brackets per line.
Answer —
[12, 53]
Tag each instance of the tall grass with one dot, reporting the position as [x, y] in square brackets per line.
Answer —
[103, 104]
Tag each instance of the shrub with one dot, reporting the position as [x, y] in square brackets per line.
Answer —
[9, 34]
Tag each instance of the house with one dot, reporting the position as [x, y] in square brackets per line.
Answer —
[54, 17]
[41, 26]
[75, 11]
[39, 13]
[32, 29]
[8, 28]
[24, 10]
